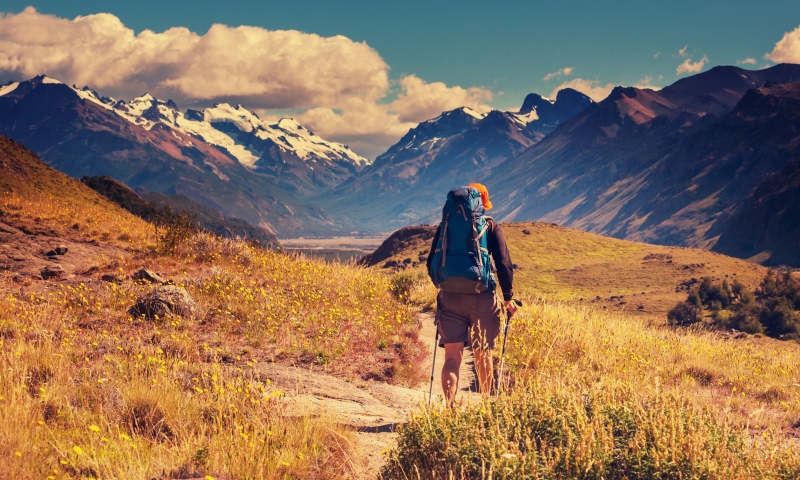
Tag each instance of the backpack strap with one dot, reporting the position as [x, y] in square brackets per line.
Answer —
[444, 239]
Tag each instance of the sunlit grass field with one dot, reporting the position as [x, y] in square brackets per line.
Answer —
[595, 394]
[89, 391]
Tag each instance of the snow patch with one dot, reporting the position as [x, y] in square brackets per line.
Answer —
[6, 89]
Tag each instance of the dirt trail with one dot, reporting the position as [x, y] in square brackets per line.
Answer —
[373, 409]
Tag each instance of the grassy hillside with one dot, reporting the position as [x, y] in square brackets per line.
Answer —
[567, 264]
[91, 390]
[594, 394]
[601, 388]
[39, 199]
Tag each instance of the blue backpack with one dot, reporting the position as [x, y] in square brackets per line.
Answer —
[461, 262]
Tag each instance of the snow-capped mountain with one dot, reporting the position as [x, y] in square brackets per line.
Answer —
[300, 161]
[151, 144]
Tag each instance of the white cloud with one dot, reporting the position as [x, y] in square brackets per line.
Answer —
[647, 82]
[682, 51]
[746, 61]
[691, 67]
[566, 71]
[787, 50]
[340, 86]
[591, 88]
[657, 55]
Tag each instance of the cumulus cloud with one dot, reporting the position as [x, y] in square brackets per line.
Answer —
[566, 71]
[787, 50]
[688, 66]
[591, 88]
[682, 51]
[746, 61]
[334, 82]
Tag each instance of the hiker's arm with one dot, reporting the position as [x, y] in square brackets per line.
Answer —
[430, 253]
[502, 260]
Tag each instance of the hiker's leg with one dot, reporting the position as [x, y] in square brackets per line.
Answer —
[485, 369]
[452, 363]
[483, 337]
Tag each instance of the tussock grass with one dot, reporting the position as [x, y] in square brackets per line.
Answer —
[593, 394]
[89, 392]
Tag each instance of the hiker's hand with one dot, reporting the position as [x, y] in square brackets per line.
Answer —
[511, 307]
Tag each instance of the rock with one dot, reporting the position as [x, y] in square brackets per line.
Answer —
[52, 271]
[390, 264]
[111, 279]
[407, 261]
[423, 258]
[526, 232]
[51, 253]
[148, 275]
[163, 301]
[61, 250]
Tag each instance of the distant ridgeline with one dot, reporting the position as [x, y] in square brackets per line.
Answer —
[710, 161]
[151, 205]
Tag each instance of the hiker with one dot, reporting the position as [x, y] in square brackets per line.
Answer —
[459, 264]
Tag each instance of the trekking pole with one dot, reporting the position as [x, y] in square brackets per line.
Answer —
[503, 354]
[433, 367]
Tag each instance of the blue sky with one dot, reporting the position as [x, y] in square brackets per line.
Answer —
[508, 46]
[504, 48]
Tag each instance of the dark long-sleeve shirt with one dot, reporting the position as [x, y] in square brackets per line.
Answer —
[498, 250]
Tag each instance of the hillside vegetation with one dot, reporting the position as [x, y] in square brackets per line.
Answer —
[602, 388]
[566, 264]
[595, 394]
[94, 389]
[154, 206]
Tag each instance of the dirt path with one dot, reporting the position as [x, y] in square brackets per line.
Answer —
[373, 409]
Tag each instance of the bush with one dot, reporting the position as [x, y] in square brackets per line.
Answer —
[173, 230]
[780, 284]
[780, 320]
[683, 314]
[714, 295]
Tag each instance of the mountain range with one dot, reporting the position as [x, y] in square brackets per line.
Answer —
[690, 164]
[224, 157]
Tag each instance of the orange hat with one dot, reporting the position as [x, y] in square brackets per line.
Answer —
[487, 205]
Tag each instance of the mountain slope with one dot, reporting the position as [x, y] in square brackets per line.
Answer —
[654, 166]
[48, 205]
[151, 206]
[405, 185]
[81, 135]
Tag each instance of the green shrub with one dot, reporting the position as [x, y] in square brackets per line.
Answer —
[683, 314]
[552, 431]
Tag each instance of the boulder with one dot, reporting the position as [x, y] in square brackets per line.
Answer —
[164, 300]
[148, 276]
[526, 232]
[52, 271]
[61, 250]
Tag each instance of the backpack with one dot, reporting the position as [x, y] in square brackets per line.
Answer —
[461, 262]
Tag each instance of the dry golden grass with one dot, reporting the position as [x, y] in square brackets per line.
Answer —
[567, 264]
[89, 392]
[596, 394]
[139, 397]
[39, 199]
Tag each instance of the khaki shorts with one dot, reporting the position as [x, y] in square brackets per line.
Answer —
[473, 319]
